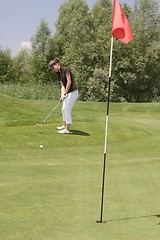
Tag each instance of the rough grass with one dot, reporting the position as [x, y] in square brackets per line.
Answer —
[31, 90]
[55, 193]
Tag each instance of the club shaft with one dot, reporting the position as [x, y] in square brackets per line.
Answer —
[51, 112]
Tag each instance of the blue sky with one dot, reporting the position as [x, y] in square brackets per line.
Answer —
[19, 19]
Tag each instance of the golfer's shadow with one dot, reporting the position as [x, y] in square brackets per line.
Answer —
[79, 133]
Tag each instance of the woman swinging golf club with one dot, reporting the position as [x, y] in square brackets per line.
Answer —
[69, 93]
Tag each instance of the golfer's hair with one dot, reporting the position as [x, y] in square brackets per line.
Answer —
[55, 60]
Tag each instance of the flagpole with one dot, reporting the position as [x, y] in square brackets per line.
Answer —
[106, 135]
[122, 31]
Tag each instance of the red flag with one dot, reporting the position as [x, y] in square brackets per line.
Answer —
[120, 25]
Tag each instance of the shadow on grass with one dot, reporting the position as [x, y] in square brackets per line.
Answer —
[75, 132]
[80, 133]
[130, 218]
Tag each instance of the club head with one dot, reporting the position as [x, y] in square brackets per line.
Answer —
[39, 125]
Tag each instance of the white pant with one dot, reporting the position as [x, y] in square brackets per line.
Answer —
[67, 106]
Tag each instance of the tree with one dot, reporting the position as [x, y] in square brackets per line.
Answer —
[81, 39]
[40, 41]
[21, 67]
[6, 66]
[41, 47]
[100, 18]
[71, 38]
[97, 85]
[133, 81]
[100, 22]
[152, 71]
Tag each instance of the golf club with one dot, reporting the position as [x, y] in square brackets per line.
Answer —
[48, 115]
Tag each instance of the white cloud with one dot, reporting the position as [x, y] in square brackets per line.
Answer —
[26, 45]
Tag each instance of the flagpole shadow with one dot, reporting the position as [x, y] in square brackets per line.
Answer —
[136, 217]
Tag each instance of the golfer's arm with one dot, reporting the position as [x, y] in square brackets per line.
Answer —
[62, 90]
[68, 76]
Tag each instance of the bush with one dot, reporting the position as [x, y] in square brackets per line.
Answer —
[31, 91]
[97, 86]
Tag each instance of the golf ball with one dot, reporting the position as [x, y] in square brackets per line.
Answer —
[41, 146]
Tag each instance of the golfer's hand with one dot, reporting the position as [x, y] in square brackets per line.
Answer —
[63, 96]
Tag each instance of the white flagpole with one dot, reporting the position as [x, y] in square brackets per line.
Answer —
[106, 134]
[108, 100]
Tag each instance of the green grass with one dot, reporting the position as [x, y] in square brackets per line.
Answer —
[55, 193]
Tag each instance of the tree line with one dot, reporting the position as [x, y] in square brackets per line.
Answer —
[82, 42]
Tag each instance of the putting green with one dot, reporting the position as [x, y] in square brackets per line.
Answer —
[55, 193]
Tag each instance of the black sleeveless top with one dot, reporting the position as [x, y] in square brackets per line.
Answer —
[62, 78]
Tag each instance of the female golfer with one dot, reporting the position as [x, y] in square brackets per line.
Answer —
[69, 93]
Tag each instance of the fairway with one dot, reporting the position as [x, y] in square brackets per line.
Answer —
[55, 193]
